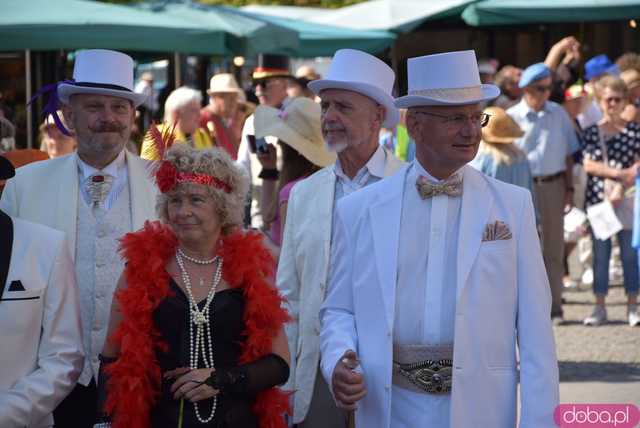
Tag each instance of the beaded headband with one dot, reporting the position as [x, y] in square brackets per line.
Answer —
[167, 175]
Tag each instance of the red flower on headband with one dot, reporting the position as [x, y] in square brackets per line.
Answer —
[166, 176]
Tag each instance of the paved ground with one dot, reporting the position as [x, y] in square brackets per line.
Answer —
[598, 364]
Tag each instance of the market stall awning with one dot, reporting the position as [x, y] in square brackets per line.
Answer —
[244, 34]
[399, 16]
[77, 24]
[324, 40]
[512, 12]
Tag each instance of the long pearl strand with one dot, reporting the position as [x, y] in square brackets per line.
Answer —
[201, 342]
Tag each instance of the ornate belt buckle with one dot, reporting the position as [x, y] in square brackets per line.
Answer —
[430, 376]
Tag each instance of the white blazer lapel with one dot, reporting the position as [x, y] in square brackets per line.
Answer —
[323, 208]
[474, 216]
[385, 227]
[66, 200]
[142, 191]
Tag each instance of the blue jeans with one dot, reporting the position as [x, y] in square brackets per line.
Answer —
[601, 257]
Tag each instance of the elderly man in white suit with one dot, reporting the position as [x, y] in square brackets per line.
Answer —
[41, 350]
[438, 280]
[355, 102]
[95, 196]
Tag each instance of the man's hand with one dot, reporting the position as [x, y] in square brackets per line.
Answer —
[348, 385]
[568, 200]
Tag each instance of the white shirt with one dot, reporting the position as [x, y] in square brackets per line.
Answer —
[117, 169]
[371, 172]
[425, 291]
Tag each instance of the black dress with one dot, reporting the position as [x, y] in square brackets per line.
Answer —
[171, 318]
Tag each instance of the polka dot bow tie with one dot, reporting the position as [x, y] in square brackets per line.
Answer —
[452, 186]
[98, 187]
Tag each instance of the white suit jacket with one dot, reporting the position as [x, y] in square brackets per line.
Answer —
[47, 193]
[503, 303]
[303, 273]
[41, 355]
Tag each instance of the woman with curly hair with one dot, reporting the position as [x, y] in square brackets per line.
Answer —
[196, 331]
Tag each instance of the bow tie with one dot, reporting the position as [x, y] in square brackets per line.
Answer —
[98, 187]
[452, 186]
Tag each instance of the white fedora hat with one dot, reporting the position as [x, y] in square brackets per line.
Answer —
[363, 73]
[103, 72]
[298, 125]
[445, 79]
[223, 82]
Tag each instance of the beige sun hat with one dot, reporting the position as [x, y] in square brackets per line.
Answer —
[501, 129]
[298, 125]
[631, 78]
[223, 82]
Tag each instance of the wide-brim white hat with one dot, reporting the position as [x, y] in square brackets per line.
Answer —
[102, 72]
[445, 79]
[365, 74]
[298, 125]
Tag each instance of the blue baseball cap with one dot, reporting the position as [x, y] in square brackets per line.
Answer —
[598, 65]
[533, 73]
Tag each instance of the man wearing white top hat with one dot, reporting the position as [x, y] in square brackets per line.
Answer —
[41, 350]
[356, 102]
[437, 278]
[95, 196]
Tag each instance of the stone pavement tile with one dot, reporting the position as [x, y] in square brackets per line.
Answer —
[598, 364]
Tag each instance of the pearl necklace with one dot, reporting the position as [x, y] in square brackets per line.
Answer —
[200, 340]
[194, 260]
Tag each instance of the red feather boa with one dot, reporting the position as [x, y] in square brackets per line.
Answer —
[135, 377]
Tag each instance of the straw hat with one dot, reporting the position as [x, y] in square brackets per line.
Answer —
[631, 77]
[223, 82]
[103, 72]
[298, 125]
[346, 72]
[445, 79]
[501, 129]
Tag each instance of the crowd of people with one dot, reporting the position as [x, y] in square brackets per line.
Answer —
[332, 257]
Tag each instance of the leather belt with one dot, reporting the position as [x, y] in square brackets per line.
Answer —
[548, 178]
[423, 368]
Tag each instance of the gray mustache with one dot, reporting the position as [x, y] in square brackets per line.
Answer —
[108, 127]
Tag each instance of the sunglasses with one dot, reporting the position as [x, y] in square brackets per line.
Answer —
[615, 100]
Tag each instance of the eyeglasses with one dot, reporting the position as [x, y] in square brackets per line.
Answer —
[542, 89]
[457, 121]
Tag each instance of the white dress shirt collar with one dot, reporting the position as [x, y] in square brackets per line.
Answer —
[374, 166]
[419, 170]
[114, 168]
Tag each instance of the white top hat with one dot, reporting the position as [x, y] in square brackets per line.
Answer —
[298, 125]
[223, 82]
[445, 79]
[363, 73]
[103, 72]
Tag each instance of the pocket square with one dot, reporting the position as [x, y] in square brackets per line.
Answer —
[498, 231]
[16, 286]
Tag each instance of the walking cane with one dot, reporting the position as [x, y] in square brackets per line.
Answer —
[352, 364]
